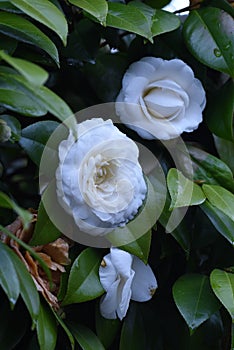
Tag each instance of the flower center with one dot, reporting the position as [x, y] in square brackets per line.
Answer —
[103, 172]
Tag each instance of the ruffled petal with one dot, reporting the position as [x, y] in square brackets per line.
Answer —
[144, 282]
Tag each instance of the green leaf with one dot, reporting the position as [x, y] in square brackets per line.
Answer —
[182, 190]
[46, 13]
[133, 335]
[85, 337]
[220, 198]
[225, 150]
[14, 124]
[28, 290]
[43, 98]
[209, 169]
[222, 284]
[180, 232]
[142, 222]
[209, 36]
[219, 111]
[106, 329]
[21, 29]
[83, 282]
[34, 138]
[45, 231]
[140, 247]
[98, 9]
[9, 280]
[17, 101]
[159, 21]
[46, 328]
[29, 249]
[141, 19]
[221, 222]
[33, 73]
[194, 298]
[6, 202]
[8, 44]
[65, 328]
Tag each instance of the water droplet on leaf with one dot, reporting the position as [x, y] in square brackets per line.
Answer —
[217, 52]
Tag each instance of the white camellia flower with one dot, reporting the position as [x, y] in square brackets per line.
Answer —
[160, 99]
[99, 179]
[124, 277]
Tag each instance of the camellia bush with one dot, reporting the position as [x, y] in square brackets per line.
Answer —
[116, 175]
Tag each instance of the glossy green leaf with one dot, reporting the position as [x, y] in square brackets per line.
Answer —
[219, 111]
[33, 73]
[46, 328]
[98, 9]
[209, 36]
[183, 191]
[28, 290]
[106, 329]
[43, 97]
[220, 198]
[6, 202]
[54, 103]
[209, 169]
[7, 6]
[14, 124]
[32, 252]
[8, 44]
[34, 138]
[222, 284]
[133, 335]
[142, 222]
[140, 247]
[83, 282]
[17, 101]
[85, 337]
[45, 231]
[221, 222]
[159, 21]
[46, 13]
[194, 298]
[223, 5]
[225, 150]
[65, 328]
[141, 19]
[9, 280]
[21, 29]
[180, 232]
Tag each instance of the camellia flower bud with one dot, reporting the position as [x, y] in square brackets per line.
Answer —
[5, 131]
[124, 277]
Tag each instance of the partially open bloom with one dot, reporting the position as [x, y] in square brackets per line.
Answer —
[160, 99]
[124, 277]
[99, 180]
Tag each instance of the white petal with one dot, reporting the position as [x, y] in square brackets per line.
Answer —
[125, 296]
[109, 302]
[122, 262]
[144, 282]
[107, 272]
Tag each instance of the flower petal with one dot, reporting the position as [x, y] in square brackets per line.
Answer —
[109, 302]
[144, 282]
[122, 262]
[107, 272]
